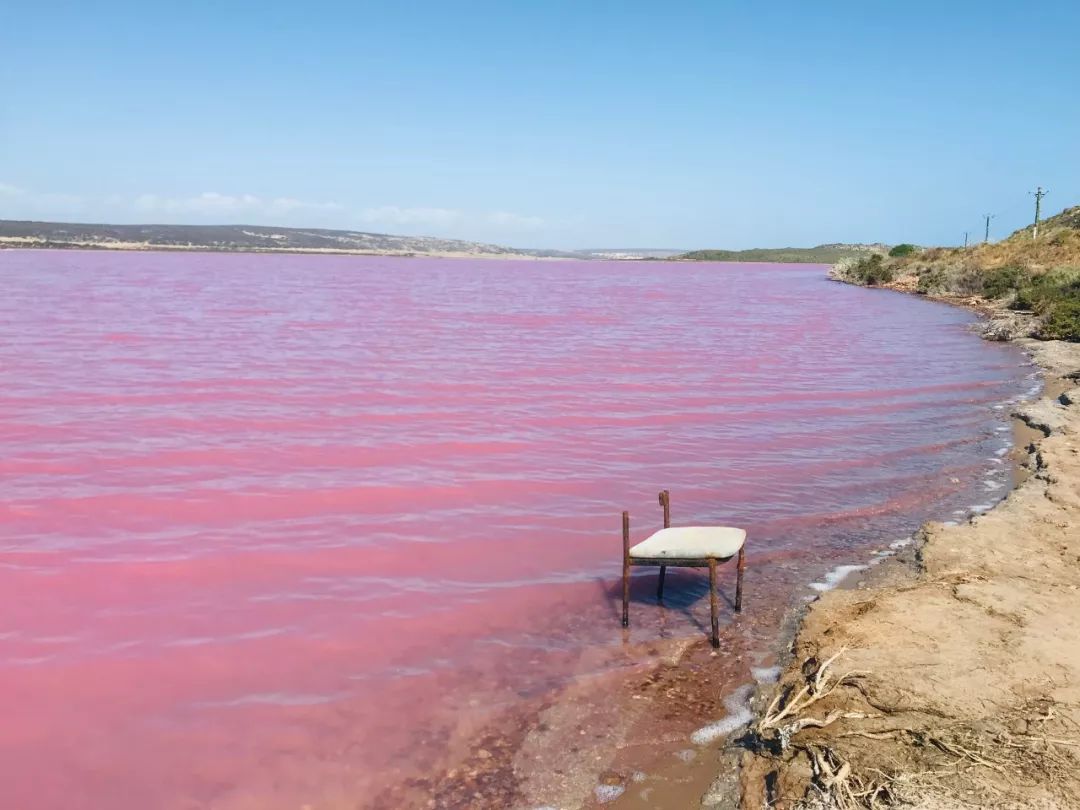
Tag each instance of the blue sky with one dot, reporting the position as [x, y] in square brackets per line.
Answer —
[553, 124]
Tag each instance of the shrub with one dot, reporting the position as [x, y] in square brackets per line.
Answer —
[968, 281]
[1062, 321]
[1055, 298]
[931, 281]
[1003, 280]
[1024, 300]
[871, 271]
[904, 249]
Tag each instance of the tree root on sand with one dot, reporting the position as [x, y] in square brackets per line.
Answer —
[861, 760]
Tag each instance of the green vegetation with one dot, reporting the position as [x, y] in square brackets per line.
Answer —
[1037, 277]
[1004, 280]
[822, 254]
[869, 271]
[1055, 298]
[1062, 322]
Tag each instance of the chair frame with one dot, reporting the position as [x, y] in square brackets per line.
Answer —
[691, 562]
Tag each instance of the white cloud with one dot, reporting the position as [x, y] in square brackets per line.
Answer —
[393, 215]
[26, 203]
[517, 221]
[219, 208]
[211, 203]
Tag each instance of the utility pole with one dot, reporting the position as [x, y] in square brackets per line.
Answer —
[965, 239]
[986, 236]
[1039, 194]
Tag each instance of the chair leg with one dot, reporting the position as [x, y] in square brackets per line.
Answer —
[625, 569]
[738, 579]
[665, 501]
[715, 640]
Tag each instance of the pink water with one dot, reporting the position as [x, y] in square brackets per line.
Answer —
[273, 529]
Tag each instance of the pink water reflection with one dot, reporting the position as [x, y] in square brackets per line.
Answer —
[273, 529]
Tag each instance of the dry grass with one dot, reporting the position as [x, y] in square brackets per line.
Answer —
[885, 758]
[1038, 277]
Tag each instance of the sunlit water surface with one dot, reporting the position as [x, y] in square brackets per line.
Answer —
[273, 527]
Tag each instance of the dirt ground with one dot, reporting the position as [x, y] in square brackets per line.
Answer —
[959, 687]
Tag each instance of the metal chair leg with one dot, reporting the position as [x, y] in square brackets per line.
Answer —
[625, 569]
[665, 502]
[712, 603]
[738, 579]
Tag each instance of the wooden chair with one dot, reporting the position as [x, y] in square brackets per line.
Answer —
[687, 547]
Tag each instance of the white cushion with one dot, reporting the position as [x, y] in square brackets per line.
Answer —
[691, 543]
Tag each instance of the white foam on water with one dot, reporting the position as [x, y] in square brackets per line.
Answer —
[903, 541]
[982, 507]
[608, 793]
[765, 674]
[990, 484]
[1002, 451]
[950, 523]
[834, 577]
[739, 714]
[996, 461]
[1001, 428]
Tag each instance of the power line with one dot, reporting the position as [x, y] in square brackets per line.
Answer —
[1039, 194]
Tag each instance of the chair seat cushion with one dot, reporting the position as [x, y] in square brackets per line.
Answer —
[691, 543]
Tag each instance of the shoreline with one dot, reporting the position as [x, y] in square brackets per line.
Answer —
[582, 746]
[140, 247]
[940, 708]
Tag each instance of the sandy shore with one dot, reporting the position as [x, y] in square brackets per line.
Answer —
[957, 685]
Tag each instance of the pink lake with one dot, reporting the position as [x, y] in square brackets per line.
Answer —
[275, 529]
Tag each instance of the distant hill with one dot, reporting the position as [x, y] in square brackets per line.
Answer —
[822, 254]
[246, 238]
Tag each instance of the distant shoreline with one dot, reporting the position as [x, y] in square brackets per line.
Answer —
[134, 247]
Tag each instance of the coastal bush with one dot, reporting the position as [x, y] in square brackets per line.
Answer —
[1024, 300]
[931, 281]
[905, 249]
[1003, 280]
[968, 281]
[1054, 297]
[871, 271]
[1062, 320]
[1039, 292]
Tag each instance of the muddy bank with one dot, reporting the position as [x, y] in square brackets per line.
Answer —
[959, 687]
